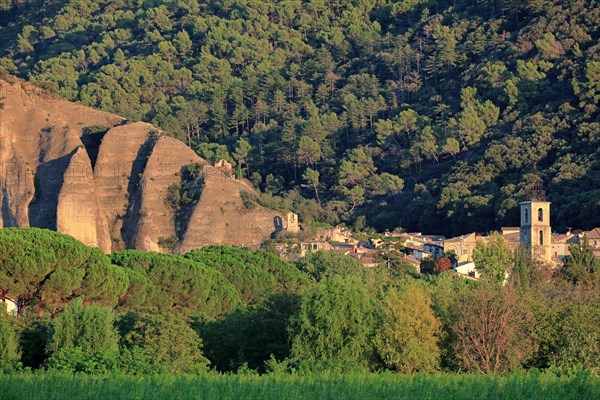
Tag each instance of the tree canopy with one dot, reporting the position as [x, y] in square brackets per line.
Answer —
[178, 283]
[45, 270]
[255, 274]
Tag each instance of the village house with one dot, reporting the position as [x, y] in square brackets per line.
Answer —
[512, 236]
[364, 255]
[467, 270]
[593, 237]
[368, 262]
[343, 247]
[436, 249]
[313, 246]
[462, 246]
[9, 305]
[561, 243]
[419, 246]
[413, 261]
[338, 234]
[416, 251]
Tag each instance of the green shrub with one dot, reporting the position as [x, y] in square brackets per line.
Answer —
[88, 328]
[250, 199]
[9, 343]
[166, 339]
[169, 243]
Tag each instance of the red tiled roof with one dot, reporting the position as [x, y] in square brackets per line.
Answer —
[368, 260]
[593, 234]
[514, 237]
[460, 238]
[413, 261]
[559, 238]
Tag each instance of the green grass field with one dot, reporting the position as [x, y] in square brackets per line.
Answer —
[49, 386]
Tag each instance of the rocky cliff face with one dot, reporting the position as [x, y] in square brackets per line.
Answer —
[110, 184]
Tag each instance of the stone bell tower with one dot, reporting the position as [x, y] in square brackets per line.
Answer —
[536, 234]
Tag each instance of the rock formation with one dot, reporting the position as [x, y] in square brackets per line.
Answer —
[91, 175]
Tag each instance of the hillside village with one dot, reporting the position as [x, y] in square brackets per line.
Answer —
[422, 250]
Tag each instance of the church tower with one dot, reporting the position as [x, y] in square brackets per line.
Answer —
[536, 234]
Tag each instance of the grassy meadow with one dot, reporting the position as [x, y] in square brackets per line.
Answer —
[532, 385]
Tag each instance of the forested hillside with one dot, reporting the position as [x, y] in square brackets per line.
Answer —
[428, 115]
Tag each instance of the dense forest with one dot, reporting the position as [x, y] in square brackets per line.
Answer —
[247, 311]
[421, 114]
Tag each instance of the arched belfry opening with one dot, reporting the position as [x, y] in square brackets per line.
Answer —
[540, 214]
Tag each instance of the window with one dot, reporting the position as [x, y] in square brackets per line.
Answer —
[540, 215]
[526, 215]
[541, 238]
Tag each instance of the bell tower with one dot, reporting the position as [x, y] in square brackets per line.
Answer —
[536, 233]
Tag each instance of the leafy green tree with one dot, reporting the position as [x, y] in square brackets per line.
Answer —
[23, 45]
[493, 259]
[213, 152]
[588, 91]
[321, 265]
[390, 184]
[578, 337]
[311, 177]
[183, 43]
[35, 335]
[309, 151]
[89, 328]
[564, 329]
[250, 337]
[452, 147]
[167, 339]
[335, 324]
[191, 117]
[241, 153]
[407, 340]
[447, 291]
[10, 354]
[581, 266]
